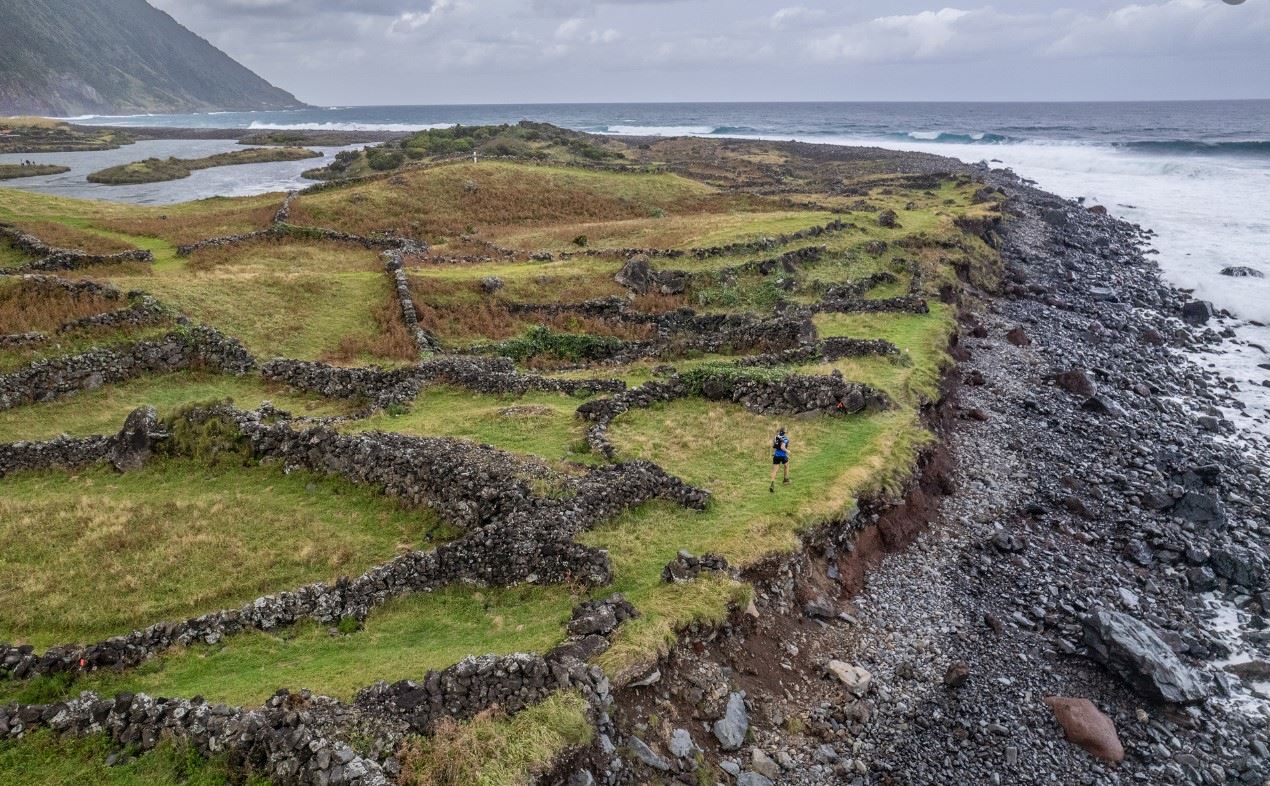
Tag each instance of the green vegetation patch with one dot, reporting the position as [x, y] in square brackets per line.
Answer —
[448, 200]
[94, 553]
[494, 750]
[155, 170]
[15, 171]
[42, 758]
[541, 341]
[531, 141]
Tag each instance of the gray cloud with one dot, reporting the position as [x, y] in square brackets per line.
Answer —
[471, 51]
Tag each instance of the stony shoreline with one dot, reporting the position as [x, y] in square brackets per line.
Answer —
[1099, 493]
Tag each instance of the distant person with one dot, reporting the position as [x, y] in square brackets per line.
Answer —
[780, 457]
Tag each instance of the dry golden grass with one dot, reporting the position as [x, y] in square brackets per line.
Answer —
[285, 255]
[181, 224]
[31, 305]
[61, 235]
[391, 340]
[494, 750]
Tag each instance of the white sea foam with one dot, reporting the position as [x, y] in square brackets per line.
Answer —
[262, 125]
[659, 130]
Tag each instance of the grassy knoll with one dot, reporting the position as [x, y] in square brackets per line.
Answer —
[446, 201]
[43, 759]
[102, 411]
[280, 312]
[157, 170]
[531, 141]
[175, 224]
[15, 171]
[175, 539]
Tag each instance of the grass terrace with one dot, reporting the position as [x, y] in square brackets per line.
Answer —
[177, 539]
[172, 539]
[102, 411]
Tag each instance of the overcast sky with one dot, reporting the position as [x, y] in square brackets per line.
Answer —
[502, 51]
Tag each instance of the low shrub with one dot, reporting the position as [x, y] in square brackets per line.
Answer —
[723, 378]
[575, 347]
[213, 440]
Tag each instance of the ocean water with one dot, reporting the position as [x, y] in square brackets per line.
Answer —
[1198, 173]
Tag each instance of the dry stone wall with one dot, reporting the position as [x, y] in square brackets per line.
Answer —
[55, 377]
[280, 741]
[61, 453]
[386, 387]
[50, 258]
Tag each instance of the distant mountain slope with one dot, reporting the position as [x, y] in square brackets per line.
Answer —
[72, 57]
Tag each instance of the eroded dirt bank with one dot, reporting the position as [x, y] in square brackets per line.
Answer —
[1102, 511]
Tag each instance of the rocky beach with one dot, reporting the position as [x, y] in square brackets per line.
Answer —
[1086, 602]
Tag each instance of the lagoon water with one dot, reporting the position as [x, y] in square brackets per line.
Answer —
[1198, 173]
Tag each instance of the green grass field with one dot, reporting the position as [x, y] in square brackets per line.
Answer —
[95, 553]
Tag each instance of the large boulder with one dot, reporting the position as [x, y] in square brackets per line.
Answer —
[730, 730]
[647, 755]
[1197, 312]
[1200, 508]
[636, 275]
[1240, 271]
[1085, 725]
[857, 679]
[1076, 381]
[1239, 566]
[135, 441]
[1134, 651]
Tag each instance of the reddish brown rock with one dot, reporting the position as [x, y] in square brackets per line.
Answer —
[957, 674]
[1085, 725]
[1018, 338]
[1076, 381]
